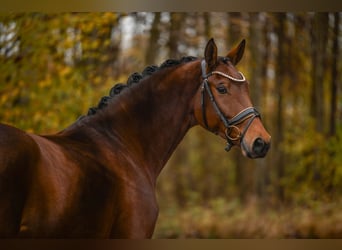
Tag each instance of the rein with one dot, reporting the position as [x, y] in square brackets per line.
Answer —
[249, 113]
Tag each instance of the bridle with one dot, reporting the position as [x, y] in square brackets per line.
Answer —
[249, 113]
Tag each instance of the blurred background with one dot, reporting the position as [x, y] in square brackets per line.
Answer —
[53, 67]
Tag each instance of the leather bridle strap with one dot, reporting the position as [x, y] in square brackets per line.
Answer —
[212, 99]
[249, 113]
[204, 116]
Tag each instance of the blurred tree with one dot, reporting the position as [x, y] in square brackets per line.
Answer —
[278, 138]
[55, 58]
[207, 29]
[319, 41]
[334, 90]
[334, 76]
[176, 34]
[234, 28]
[153, 46]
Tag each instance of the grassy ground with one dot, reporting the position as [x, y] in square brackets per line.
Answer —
[221, 219]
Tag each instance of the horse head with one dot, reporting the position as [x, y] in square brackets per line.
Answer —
[223, 105]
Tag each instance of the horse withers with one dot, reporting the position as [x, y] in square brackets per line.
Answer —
[97, 178]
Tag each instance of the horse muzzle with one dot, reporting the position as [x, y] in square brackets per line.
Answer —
[257, 149]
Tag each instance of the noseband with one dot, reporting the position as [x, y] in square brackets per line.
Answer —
[249, 113]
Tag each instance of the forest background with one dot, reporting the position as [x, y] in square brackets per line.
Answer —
[53, 67]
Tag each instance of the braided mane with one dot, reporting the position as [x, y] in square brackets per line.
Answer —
[134, 79]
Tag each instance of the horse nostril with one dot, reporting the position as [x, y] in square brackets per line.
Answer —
[260, 147]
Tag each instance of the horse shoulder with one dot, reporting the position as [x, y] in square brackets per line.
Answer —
[54, 187]
[71, 192]
[135, 208]
[18, 154]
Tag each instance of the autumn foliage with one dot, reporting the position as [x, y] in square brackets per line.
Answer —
[53, 67]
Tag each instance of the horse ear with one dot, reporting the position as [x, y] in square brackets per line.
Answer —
[210, 55]
[236, 54]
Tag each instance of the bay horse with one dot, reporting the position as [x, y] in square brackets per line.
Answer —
[97, 177]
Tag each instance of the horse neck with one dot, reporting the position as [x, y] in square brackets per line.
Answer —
[152, 117]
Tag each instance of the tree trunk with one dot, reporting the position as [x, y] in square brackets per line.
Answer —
[175, 33]
[278, 137]
[334, 76]
[234, 28]
[319, 37]
[207, 27]
[152, 49]
[333, 104]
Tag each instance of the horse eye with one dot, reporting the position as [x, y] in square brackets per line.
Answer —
[222, 89]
